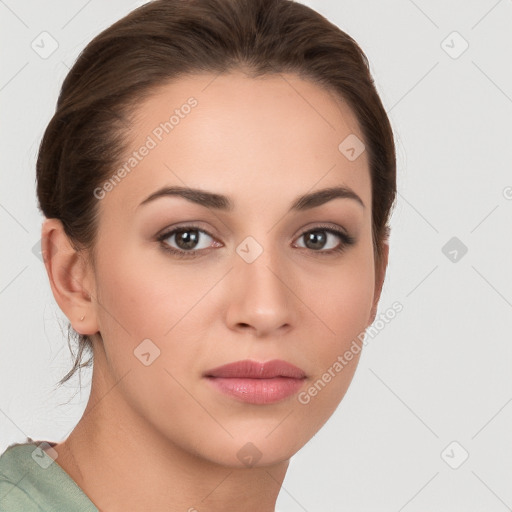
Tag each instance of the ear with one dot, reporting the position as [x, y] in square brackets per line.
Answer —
[380, 274]
[70, 278]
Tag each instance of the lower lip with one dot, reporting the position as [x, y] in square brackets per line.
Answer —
[257, 391]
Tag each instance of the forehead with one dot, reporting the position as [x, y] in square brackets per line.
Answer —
[270, 138]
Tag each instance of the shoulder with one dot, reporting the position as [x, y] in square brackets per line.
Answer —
[14, 499]
[32, 481]
[15, 474]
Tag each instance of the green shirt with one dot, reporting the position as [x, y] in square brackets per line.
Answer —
[32, 481]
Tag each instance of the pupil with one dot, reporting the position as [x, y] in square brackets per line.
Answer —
[186, 241]
[317, 240]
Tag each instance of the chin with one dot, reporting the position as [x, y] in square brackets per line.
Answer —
[261, 449]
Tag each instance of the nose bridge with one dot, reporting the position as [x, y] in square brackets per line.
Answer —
[260, 297]
[261, 273]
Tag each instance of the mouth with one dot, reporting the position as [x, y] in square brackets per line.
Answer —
[256, 382]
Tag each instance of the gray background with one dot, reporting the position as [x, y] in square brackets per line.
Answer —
[440, 371]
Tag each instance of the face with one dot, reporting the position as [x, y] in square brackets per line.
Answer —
[252, 275]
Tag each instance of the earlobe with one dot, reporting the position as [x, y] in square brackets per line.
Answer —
[69, 277]
[380, 274]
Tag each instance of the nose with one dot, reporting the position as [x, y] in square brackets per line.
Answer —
[261, 296]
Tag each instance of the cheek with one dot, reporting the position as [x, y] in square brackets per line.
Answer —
[344, 305]
[143, 295]
[343, 299]
[343, 302]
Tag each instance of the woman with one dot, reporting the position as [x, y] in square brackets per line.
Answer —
[217, 182]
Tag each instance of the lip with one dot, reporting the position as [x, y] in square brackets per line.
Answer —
[257, 382]
[248, 369]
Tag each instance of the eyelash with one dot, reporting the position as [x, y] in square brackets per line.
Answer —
[346, 241]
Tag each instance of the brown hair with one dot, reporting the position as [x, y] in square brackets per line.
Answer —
[165, 39]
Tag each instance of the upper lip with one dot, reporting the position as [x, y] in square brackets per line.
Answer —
[257, 370]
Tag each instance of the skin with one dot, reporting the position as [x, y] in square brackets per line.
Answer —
[166, 439]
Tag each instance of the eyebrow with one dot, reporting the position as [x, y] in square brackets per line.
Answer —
[224, 203]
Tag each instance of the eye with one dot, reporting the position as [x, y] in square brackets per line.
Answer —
[317, 238]
[187, 239]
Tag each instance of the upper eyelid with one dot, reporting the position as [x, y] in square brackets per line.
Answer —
[165, 233]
